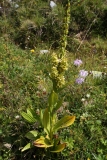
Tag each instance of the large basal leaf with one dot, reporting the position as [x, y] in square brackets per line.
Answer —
[59, 148]
[31, 135]
[28, 117]
[64, 122]
[46, 120]
[42, 142]
[28, 146]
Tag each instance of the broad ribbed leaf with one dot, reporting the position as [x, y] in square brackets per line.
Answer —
[64, 122]
[59, 148]
[28, 117]
[26, 147]
[32, 113]
[29, 112]
[46, 120]
[41, 116]
[31, 135]
[42, 142]
[53, 98]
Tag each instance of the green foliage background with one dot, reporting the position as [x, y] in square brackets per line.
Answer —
[33, 23]
[24, 75]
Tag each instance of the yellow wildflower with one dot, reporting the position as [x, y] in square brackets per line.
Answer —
[32, 50]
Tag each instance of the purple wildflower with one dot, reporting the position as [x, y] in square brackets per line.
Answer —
[79, 80]
[78, 62]
[83, 73]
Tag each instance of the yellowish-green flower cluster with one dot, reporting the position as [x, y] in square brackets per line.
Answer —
[58, 67]
[63, 65]
[59, 62]
[54, 59]
[60, 81]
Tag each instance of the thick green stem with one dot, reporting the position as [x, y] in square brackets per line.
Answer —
[65, 30]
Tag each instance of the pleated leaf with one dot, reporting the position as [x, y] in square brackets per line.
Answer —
[31, 135]
[28, 117]
[64, 122]
[46, 121]
[29, 112]
[32, 113]
[53, 98]
[59, 148]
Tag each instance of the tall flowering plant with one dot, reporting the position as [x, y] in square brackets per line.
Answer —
[47, 117]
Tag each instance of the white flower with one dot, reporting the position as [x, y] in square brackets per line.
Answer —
[16, 5]
[87, 95]
[83, 99]
[44, 51]
[97, 74]
[8, 145]
[52, 4]
[17, 117]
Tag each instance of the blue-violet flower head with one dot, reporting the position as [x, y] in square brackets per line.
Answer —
[83, 73]
[78, 62]
[80, 80]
